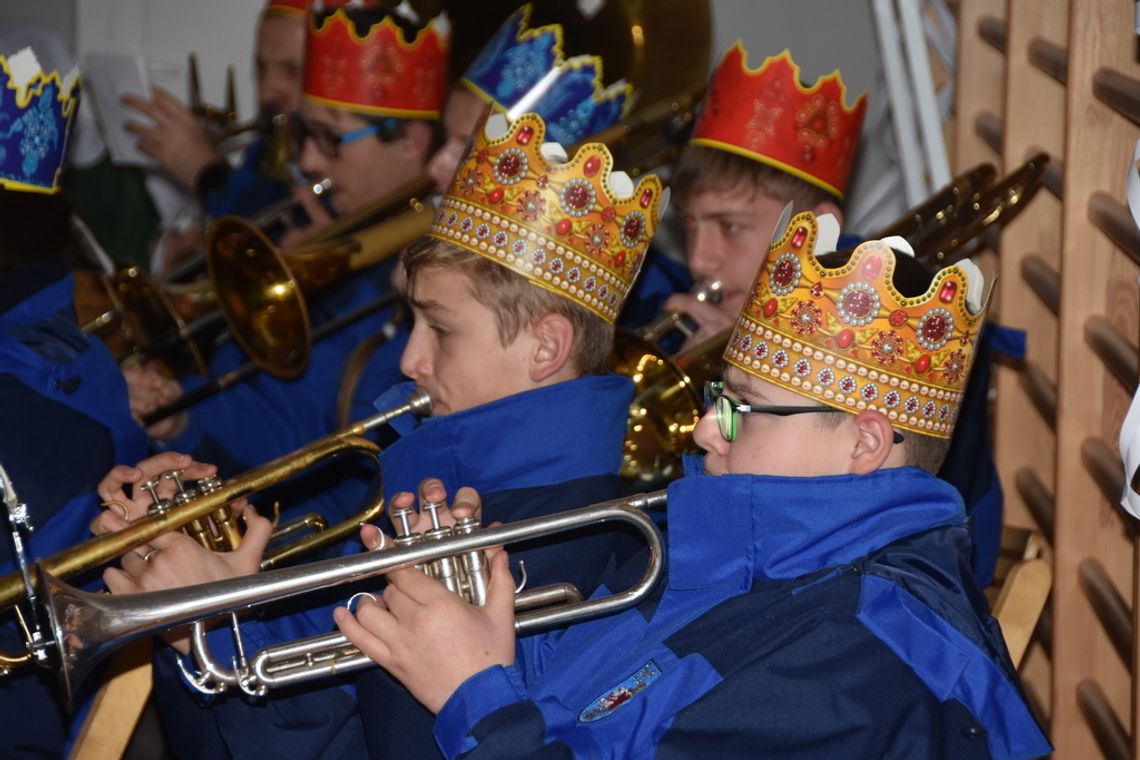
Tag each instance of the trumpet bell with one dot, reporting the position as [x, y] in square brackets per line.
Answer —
[255, 287]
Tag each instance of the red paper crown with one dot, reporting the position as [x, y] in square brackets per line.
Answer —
[573, 227]
[381, 73]
[288, 7]
[847, 338]
[768, 116]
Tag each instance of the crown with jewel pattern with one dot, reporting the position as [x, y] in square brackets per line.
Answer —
[525, 69]
[768, 116]
[37, 109]
[381, 73]
[848, 339]
[572, 226]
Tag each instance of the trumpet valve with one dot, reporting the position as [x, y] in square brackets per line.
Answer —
[404, 515]
[159, 505]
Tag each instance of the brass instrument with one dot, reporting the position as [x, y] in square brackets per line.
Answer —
[99, 550]
[933, 215]
[85, 627]
[667, 401]
[977, 223]
[261, 288]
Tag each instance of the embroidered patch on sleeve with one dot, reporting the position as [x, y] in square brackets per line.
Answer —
[620, 694]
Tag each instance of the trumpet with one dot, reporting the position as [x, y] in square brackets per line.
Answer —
[102, 549]
[85, 627]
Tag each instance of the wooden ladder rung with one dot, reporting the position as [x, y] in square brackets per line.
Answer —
[1038, 499]
[990, 128]
[1112, 348]
[1049, 57]
[1106, 728]
[1041, 391]
[1054, 177]
[1105, 467]
[993, 32]
[1114, 219]
[1110, 608]
[1043, 280]
[1119, 92]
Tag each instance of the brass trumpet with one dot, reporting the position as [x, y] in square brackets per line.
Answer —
[86, 627]
[102, 549]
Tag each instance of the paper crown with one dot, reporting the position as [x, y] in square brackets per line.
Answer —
[524, 70]
[848, 339]
[37, 109]
[288, 7]
[768, 116]
[381, 73]
[572, 226]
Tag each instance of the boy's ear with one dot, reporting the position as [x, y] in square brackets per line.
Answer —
[417, 140]
[874, 441]
[553, 343]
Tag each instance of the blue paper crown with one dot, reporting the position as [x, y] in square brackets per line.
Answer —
[36, 112]
[526, 67]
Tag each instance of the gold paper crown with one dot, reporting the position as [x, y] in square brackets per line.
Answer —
[847, 338]
[573, 227]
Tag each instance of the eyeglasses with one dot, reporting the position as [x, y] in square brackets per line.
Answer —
[329, 144]
[728, 410]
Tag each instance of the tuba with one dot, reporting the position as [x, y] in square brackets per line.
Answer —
[15, 588]
[85, 627]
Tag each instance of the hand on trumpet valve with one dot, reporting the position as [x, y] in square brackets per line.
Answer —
[174, 560]
[172, 136]
[148, 390]
[123, 507]
[407, 520]
[427, 637]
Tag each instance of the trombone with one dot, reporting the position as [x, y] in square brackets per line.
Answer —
[83, 628]
[14, 587]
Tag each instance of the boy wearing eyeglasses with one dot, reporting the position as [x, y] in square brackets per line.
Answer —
[818, 600]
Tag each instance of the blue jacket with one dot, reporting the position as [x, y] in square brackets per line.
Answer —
[245, 190]
[824, 617]
[554, 448]
[63, 403]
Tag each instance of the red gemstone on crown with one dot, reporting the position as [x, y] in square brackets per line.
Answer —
[845, 338]
[619, 258]
[934, 329]
[799, 237]
[948, 291]
[872, 267]
[524, 136]
[592, 165]
[784, 272]
[542, 181]
[608, 213]
[922, 364]
[898, 318]
[496, 195]
[770, 307]
[562, 227]
[577, 197]
[816, 289]
[632, 228]
[510, 165]
[857, 303]
[646, 198]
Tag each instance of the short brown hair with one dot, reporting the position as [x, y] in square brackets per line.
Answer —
[923, 451]
[515, 301]
[701, 168]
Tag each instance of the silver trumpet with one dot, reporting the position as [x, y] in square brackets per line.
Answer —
[86, 627]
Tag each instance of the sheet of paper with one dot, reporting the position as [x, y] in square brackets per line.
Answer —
[106, 78]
